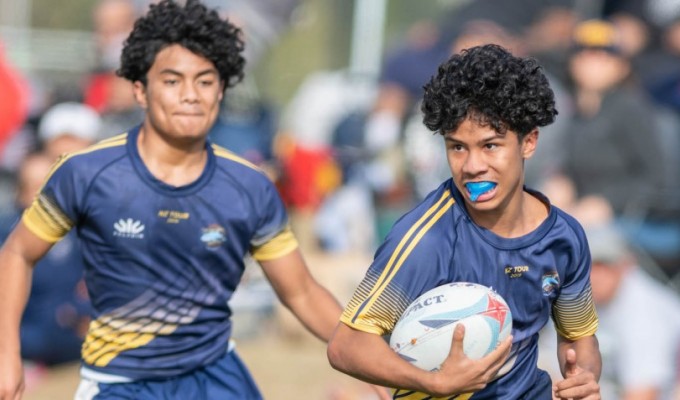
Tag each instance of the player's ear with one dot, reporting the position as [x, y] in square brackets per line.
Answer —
[529, 142]
[139, 91]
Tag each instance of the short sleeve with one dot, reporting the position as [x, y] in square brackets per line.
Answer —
[273, 237]
[574, 310]
[55, 209]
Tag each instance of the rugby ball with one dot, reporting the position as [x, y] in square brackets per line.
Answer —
[424, 332]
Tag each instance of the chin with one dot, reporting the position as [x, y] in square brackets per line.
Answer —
[488, 205]
[192, 133]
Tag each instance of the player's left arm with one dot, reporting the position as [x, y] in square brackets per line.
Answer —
[581, 364]
[297, 289]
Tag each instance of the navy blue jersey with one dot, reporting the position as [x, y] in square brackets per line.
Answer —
[161, 262]
[546, 271]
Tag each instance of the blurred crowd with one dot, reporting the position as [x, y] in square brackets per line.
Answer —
[351, 154]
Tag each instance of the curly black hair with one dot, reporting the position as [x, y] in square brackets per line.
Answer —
[493, 88]
[194, 27]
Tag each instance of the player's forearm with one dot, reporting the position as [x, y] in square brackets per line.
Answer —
[367, 357]
[587, 354]
[297, 289]
[316, 309]
[15, 279]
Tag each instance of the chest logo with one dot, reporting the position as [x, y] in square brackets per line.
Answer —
[128, 228]
[213, 236]
[516, 271]
[550, 283]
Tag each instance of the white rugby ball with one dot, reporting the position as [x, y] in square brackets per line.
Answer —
[424, 332]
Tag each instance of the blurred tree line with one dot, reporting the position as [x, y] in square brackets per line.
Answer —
[62, 14]
[319, 37]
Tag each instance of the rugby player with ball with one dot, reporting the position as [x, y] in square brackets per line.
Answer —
[481, 226]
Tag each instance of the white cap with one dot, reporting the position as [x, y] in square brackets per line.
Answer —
[70, 118]
[607, 244]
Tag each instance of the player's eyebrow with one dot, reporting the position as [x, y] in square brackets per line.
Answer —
[486, 139]
[171, 71]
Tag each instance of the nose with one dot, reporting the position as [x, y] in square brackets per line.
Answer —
[189, 93]
[474, 164]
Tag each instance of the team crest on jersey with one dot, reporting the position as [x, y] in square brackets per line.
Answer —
[213, 236]
[129, 229]
[550, 283]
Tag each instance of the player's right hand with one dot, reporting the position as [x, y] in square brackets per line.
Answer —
[460, 374]
[11, 378]
[578, 384]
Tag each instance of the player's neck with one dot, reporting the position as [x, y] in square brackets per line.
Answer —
[521, 216]
[177, 164]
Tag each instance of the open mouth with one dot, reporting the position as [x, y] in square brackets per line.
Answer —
[478, 189]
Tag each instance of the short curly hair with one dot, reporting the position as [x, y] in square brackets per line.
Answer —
[492, 87]
[194, 27]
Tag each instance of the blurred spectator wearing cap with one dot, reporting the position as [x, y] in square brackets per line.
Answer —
[639, 328]
[614, 152]
[68, 127]
[57, 312]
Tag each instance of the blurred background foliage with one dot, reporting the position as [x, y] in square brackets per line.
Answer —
[62, 14]
[319, 37]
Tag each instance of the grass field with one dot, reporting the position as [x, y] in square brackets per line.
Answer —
[284, 368]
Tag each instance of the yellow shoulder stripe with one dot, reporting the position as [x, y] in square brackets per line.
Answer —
[280, 245]
[412, 237]
[119, 140]
[224, 153]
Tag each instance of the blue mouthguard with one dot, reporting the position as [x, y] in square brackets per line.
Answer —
[477, 189]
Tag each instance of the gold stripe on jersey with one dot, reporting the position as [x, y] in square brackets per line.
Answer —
[115, 141]
[280, 245]
[224, 153]
[104, 342]
[382, 298]
[46, 220]
[575, 317]
[134, 325]
[413, 395]
[112, 139]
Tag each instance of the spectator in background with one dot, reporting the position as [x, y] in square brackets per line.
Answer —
[112, 22]
[613, 154]
[57, 314]
[549, 38]
[639, 329]
[665, 85]
[108, 94]
[68, 127]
